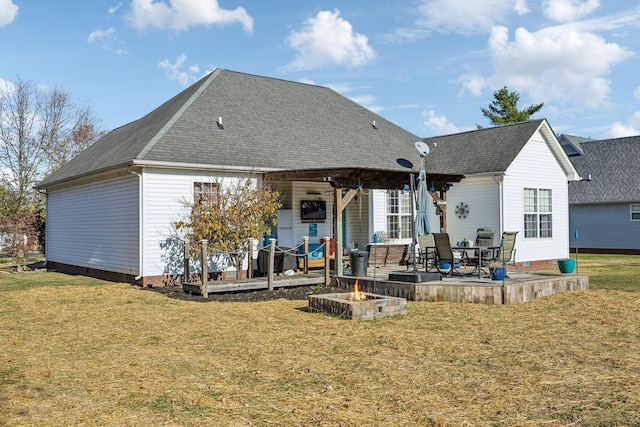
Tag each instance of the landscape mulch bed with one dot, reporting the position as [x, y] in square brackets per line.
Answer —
[289, 293]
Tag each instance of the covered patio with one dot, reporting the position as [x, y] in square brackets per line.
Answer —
[347, 183]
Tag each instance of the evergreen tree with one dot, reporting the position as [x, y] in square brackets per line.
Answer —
[504, 108]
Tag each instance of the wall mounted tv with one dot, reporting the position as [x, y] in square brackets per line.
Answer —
[313, 210]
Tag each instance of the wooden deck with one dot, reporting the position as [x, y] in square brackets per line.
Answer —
[519, 287]
[258, 283]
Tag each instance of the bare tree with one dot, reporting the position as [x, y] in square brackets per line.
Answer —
[39, 131]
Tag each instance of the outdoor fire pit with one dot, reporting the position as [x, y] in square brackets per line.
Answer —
[357, 305]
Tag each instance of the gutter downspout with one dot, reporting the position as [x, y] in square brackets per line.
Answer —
[140, 224]
[501, 196]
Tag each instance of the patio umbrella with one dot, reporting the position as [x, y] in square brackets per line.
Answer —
[422, 227]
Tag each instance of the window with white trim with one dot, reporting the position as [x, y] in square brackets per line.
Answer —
[206, 193]
[538, 221]
[398, 214]
[635, 211]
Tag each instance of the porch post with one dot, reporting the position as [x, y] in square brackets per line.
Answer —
[327, 261]
[272, 253]
[337, 259]
[305, 251]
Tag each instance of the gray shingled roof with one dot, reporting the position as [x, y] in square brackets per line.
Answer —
[613, 166]
[273, 125]
[571, 144]
[268, 124]
[479, 151]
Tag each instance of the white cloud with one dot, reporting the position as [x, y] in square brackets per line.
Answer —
[107, 39]
[618, 130]
[521, 7]
[555, 63]
[474, 85]
[568, 10]
[115, 8]
[8, 12]
[181, 14]
[326, 40]
[439, 124]
[463, 16]
[177, 72]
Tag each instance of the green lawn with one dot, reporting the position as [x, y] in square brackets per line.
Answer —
[79, 351]
[613, 272]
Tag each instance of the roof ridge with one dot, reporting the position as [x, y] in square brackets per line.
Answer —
[156, 138]
[485, 129]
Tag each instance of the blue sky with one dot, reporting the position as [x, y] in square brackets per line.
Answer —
[427, 65]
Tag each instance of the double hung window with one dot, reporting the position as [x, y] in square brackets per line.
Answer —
[538, 209]
[399, 214]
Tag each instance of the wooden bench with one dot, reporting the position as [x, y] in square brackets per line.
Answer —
[385, 254]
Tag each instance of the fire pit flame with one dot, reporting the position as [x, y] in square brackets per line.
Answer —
[356, 295]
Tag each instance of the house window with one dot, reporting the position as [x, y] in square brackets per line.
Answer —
[206, 193]
[635, 212]
[538, 213]
[398, 214]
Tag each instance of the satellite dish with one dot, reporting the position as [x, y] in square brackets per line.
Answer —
[422, 148]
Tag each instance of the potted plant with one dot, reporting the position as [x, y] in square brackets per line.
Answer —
[496, 270]
[566, 266]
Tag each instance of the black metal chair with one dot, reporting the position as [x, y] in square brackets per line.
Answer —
[446, 261]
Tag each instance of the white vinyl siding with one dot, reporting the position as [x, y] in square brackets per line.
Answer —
[537, 167]
[482, 195]
[95, 225]
[167, 198]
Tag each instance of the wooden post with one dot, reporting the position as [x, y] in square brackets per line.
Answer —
[204, 290]
[249, 258]
[305, 251]
[272, 252]
[327, 260]
[338, 234]
[238, 262]
[186, 262]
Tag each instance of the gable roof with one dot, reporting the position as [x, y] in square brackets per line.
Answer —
[612, 165]
[491, 150]
[267, 125]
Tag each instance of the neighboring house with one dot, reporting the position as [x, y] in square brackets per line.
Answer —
[515, 179]
[571, 144]
[110, 210]
[604, 208]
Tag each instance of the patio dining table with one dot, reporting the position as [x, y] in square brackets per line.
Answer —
[477, 254]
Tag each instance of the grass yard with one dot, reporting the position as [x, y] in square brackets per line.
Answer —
[78, 351]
